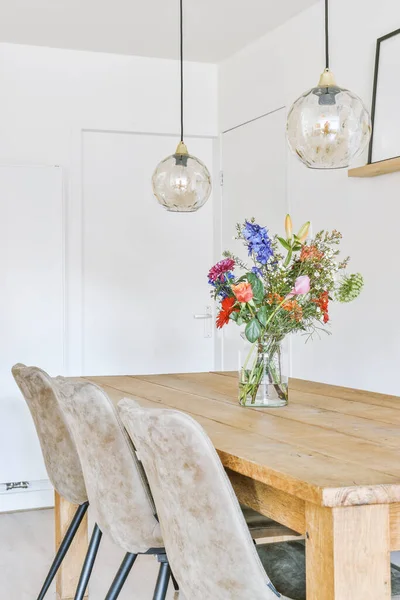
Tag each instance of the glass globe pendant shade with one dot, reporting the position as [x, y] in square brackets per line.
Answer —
[181, 182]
[328, 126]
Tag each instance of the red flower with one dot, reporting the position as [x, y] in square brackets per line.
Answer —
[226, 310]
[323, 303]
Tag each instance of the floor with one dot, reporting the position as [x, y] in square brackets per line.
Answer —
[27, 549]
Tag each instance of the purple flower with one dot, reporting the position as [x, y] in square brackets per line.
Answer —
[258, 241]
[256, 271]
[218, 271]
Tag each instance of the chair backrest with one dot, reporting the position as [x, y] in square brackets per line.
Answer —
[58, 448]
[118, 494]
[206, 537]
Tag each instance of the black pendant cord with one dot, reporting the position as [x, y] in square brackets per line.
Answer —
[326, 34]
[181, 40]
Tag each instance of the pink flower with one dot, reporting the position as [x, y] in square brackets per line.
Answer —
[243, 292]
[218, 271]
[301, 286]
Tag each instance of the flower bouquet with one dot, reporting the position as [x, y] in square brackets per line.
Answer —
[287, 287]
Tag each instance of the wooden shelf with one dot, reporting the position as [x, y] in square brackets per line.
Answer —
[379, 168]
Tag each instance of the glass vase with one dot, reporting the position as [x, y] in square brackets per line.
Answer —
[261, 380]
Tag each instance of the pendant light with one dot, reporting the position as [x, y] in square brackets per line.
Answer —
[328, 126]
[181, 182]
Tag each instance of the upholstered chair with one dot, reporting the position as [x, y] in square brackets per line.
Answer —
[60, 456]
[117, 489]
[206, 537]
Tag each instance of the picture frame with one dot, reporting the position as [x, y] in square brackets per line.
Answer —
[375, 95]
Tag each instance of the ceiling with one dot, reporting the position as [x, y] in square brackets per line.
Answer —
[214, 29]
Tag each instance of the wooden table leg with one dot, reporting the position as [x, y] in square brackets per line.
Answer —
[70, 570]
[348, 553]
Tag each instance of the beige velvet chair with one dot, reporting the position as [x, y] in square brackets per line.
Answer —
[117, 489]
[60, 457]
[209, 546]
[208, 543]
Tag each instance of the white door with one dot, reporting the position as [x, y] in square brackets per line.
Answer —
[254, 166]
[144, 269]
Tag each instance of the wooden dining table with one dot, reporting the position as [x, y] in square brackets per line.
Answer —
[327, 466]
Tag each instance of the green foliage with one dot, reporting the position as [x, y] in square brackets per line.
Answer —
[349, 288]
[253, 330]
[256, 285]
[262, 315]
[284, 243]
[235, 316]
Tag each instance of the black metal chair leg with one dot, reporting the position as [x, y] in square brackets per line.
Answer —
[175, 583]
[121, 576]
[64, 547]
[162, 580]
[89, 562]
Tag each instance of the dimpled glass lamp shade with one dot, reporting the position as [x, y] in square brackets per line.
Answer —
[328, 126]
[181, 182]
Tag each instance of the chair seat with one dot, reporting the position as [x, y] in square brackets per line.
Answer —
[285, 563]
[263, 527]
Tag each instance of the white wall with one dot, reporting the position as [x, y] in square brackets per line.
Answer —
[364, 350]
[47, 97]
[46, 92]
[50, 95]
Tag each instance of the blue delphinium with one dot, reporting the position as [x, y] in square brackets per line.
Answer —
[224, 289]
[258, 242]
[257, 271]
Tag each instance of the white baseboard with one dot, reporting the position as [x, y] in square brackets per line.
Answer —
[39, 494]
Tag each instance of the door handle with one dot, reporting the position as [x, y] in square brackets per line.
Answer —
[206, 317]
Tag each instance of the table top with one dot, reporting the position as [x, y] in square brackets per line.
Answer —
[332, 446]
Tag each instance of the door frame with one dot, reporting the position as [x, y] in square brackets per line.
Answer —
[222, 205]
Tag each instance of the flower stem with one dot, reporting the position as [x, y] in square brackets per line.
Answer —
[275, 311]
[288, 258]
